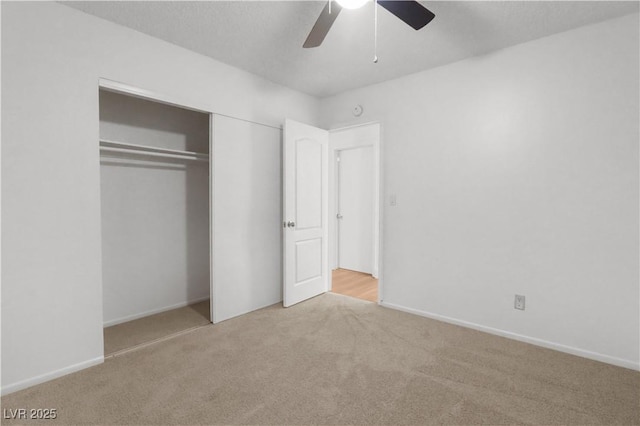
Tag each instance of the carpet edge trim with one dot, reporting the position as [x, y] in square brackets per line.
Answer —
[154, 341]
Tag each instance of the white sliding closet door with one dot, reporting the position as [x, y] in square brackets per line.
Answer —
[247, 202]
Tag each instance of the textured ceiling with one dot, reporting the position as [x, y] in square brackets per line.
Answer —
[265, 37]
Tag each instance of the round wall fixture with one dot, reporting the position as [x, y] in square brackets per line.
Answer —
[357, 110]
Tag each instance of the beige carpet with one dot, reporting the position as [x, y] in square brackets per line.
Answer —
[153, 327]
[339, 360]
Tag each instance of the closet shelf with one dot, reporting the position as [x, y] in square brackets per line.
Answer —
[114, 146]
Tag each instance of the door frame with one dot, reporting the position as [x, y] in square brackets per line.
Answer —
[125, 89]
[370, 135]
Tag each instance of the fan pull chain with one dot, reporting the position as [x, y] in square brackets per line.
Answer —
[375, 31]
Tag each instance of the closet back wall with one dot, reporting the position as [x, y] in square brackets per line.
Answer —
[155, 212]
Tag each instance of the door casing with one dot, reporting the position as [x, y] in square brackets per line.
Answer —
[356, 136]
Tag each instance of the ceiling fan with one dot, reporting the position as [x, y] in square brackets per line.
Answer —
[410, 12]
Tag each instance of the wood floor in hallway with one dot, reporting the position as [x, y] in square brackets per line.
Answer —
[355, 284]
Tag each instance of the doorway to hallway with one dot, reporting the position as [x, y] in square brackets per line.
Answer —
[354, 201]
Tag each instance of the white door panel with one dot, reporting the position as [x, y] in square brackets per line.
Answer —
[305, 221]
[356, 207]
[308, 259]
[308, 183]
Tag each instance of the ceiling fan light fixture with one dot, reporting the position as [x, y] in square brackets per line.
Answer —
[411, 12]
[352, 4]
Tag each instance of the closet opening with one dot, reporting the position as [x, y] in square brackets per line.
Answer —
[155, 213]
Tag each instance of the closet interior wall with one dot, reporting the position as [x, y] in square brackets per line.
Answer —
[155, 210]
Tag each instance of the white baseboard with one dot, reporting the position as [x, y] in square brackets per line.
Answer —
[152, 312]
[51, 375]
[633, 365]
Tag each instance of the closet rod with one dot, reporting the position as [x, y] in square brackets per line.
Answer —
[151, 153]
[104, 143]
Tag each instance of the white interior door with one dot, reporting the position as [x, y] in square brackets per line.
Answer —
[305, 212]
[355, 209]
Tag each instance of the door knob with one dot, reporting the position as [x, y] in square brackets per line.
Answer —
[339, 216]
[291, 224]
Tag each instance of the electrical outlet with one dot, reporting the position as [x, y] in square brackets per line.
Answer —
[519, 302]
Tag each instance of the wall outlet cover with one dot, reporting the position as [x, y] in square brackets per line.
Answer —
[519, 302]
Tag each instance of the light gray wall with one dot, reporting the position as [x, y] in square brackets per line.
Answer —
[52, 59]
[154, 211]
[247, 236]
[517, 173]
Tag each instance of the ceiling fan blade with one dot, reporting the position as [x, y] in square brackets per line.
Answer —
[322, 25]
[411, 12]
